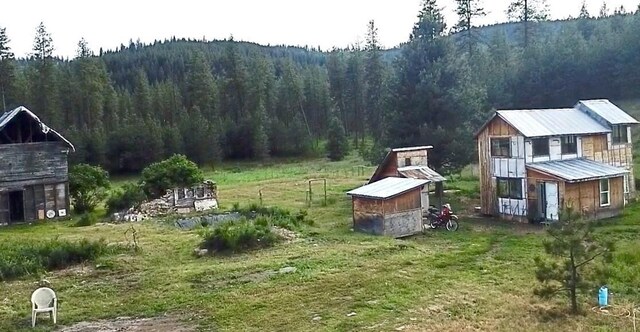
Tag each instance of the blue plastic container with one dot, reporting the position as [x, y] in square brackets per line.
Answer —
[603, 297]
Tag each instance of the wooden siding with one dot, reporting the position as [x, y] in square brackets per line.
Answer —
[417, 158]
[40, 172]
[32, 163]
[488, 195]
[407, 201]
[585, 198]
[394, 216]
[37, 200]
[498, 127]
[596, 147]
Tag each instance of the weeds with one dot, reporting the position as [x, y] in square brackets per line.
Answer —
[20, 260]
[239, 236]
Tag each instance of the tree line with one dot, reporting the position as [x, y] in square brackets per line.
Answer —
[127, 108]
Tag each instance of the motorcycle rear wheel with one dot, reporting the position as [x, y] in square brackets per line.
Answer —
[452, 225]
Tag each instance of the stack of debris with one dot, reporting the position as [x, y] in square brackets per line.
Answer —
[202, 197]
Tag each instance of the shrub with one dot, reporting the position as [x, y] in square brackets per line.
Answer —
[24, 259]
[87, 186]
[130, 195]
[176, 171]
[239, 236]
[338, 145]
[86, 219]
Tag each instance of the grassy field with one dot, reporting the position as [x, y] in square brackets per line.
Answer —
[479, 278]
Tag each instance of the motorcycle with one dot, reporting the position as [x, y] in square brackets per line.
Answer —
[444, 218]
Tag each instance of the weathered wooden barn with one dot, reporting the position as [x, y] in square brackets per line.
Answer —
[410, 162]
[391, 206]
[533, 163]
[34, 182]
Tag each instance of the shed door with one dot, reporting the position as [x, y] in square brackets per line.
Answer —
[551, 200]
[424, 198]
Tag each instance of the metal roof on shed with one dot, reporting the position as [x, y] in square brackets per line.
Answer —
[552, 122]
[7, 116]
[577, 170]
[607, 111]
[387, 188]
[421, 172]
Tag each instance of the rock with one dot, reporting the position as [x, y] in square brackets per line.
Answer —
[284, 233]
[44, 283]
[201, 252]
[316, 318]
[351, 314]
[372, 302]
[288, 269]
[400, 328]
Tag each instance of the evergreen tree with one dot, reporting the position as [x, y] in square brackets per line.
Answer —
[604, 10]
[584, 13]
[201, 89]
[338, 144]
[6, 67]
[142, 94]
[527, 11]
[83, 49]
[374, 77]
[571, 248]
[467, 11]
[355, 94]
[44, 87]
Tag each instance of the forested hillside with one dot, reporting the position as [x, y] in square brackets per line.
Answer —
[214, 100]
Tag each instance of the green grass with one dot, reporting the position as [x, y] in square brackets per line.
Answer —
[480, 277]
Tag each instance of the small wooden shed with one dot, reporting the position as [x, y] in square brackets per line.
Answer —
[391, 206]
[34, 180]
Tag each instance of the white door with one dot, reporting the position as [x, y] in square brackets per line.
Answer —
[424, 198]
[551, 198]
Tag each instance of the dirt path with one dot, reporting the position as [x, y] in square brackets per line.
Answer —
[127, 324]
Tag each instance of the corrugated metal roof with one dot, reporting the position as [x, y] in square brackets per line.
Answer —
[6, 117]
[413, 148]
[421, 172]
[387, 188]
[577, 170]
[607, 111]
[552, 122]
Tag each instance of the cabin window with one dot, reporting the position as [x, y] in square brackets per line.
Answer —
[407, 161]
[540, 146]
[509, 188]
[569, 145]
[500, 147]
[604, 192]
[619, 134]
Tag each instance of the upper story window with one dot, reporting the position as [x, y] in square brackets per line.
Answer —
[500, 147]
[569, 144]
[619, 134]
[407, 161]
[540, 146]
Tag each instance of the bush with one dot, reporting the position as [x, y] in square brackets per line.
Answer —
[86, 219]
[338, 144]
[176, 171]
[276, 216]
[130, 195]
[20, 260]
[87, 186]
[239, 236]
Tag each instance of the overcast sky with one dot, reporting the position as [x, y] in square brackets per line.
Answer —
[324, 23]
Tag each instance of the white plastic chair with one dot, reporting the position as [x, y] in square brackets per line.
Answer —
[43, 300]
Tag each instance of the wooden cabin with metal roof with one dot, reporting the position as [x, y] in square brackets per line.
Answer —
[533, 163]
[391, 206]
[34, 181]
[412, 163]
